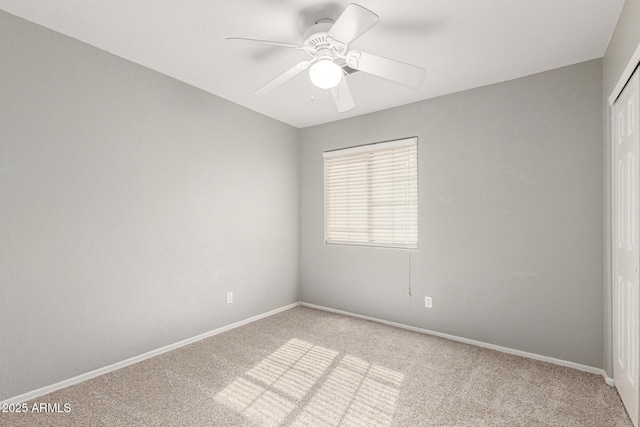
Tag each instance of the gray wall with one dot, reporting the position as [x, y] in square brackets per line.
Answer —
[624, 41]
[130, 203]
[511, 211]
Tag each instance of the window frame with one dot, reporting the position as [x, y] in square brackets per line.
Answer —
[370, 148]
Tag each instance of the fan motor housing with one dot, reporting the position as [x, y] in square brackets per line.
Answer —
[317, 44]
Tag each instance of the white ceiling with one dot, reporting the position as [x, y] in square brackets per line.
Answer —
[462, 43]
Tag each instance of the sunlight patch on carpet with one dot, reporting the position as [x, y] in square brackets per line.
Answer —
[302, 384]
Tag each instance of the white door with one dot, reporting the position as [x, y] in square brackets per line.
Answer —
[626, 216]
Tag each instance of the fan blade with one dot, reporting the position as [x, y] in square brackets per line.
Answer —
[354, 21]
[390, 69]
[283, 78]
[281, 44]
[342, 96]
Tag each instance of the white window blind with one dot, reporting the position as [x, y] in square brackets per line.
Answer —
[371, 194]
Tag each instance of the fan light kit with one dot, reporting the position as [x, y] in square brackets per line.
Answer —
[325, 74]
[326, 43]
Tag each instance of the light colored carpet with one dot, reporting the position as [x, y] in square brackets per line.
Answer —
[305, 367]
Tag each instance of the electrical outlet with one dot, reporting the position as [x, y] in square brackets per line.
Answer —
[229, 297]
[428, 302]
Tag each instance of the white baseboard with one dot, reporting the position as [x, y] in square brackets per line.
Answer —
[101, 371]
[553, 360]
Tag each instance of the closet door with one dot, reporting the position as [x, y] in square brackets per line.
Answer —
[626, 216]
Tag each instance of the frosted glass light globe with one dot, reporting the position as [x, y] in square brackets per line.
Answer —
[325, 74]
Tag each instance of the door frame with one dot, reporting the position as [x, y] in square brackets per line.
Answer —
[632, 64]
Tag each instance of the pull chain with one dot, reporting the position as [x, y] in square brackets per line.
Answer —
[409, 254]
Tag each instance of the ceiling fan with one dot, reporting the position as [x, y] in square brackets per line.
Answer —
[326, 42]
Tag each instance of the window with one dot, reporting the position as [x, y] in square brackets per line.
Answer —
[371, 194]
